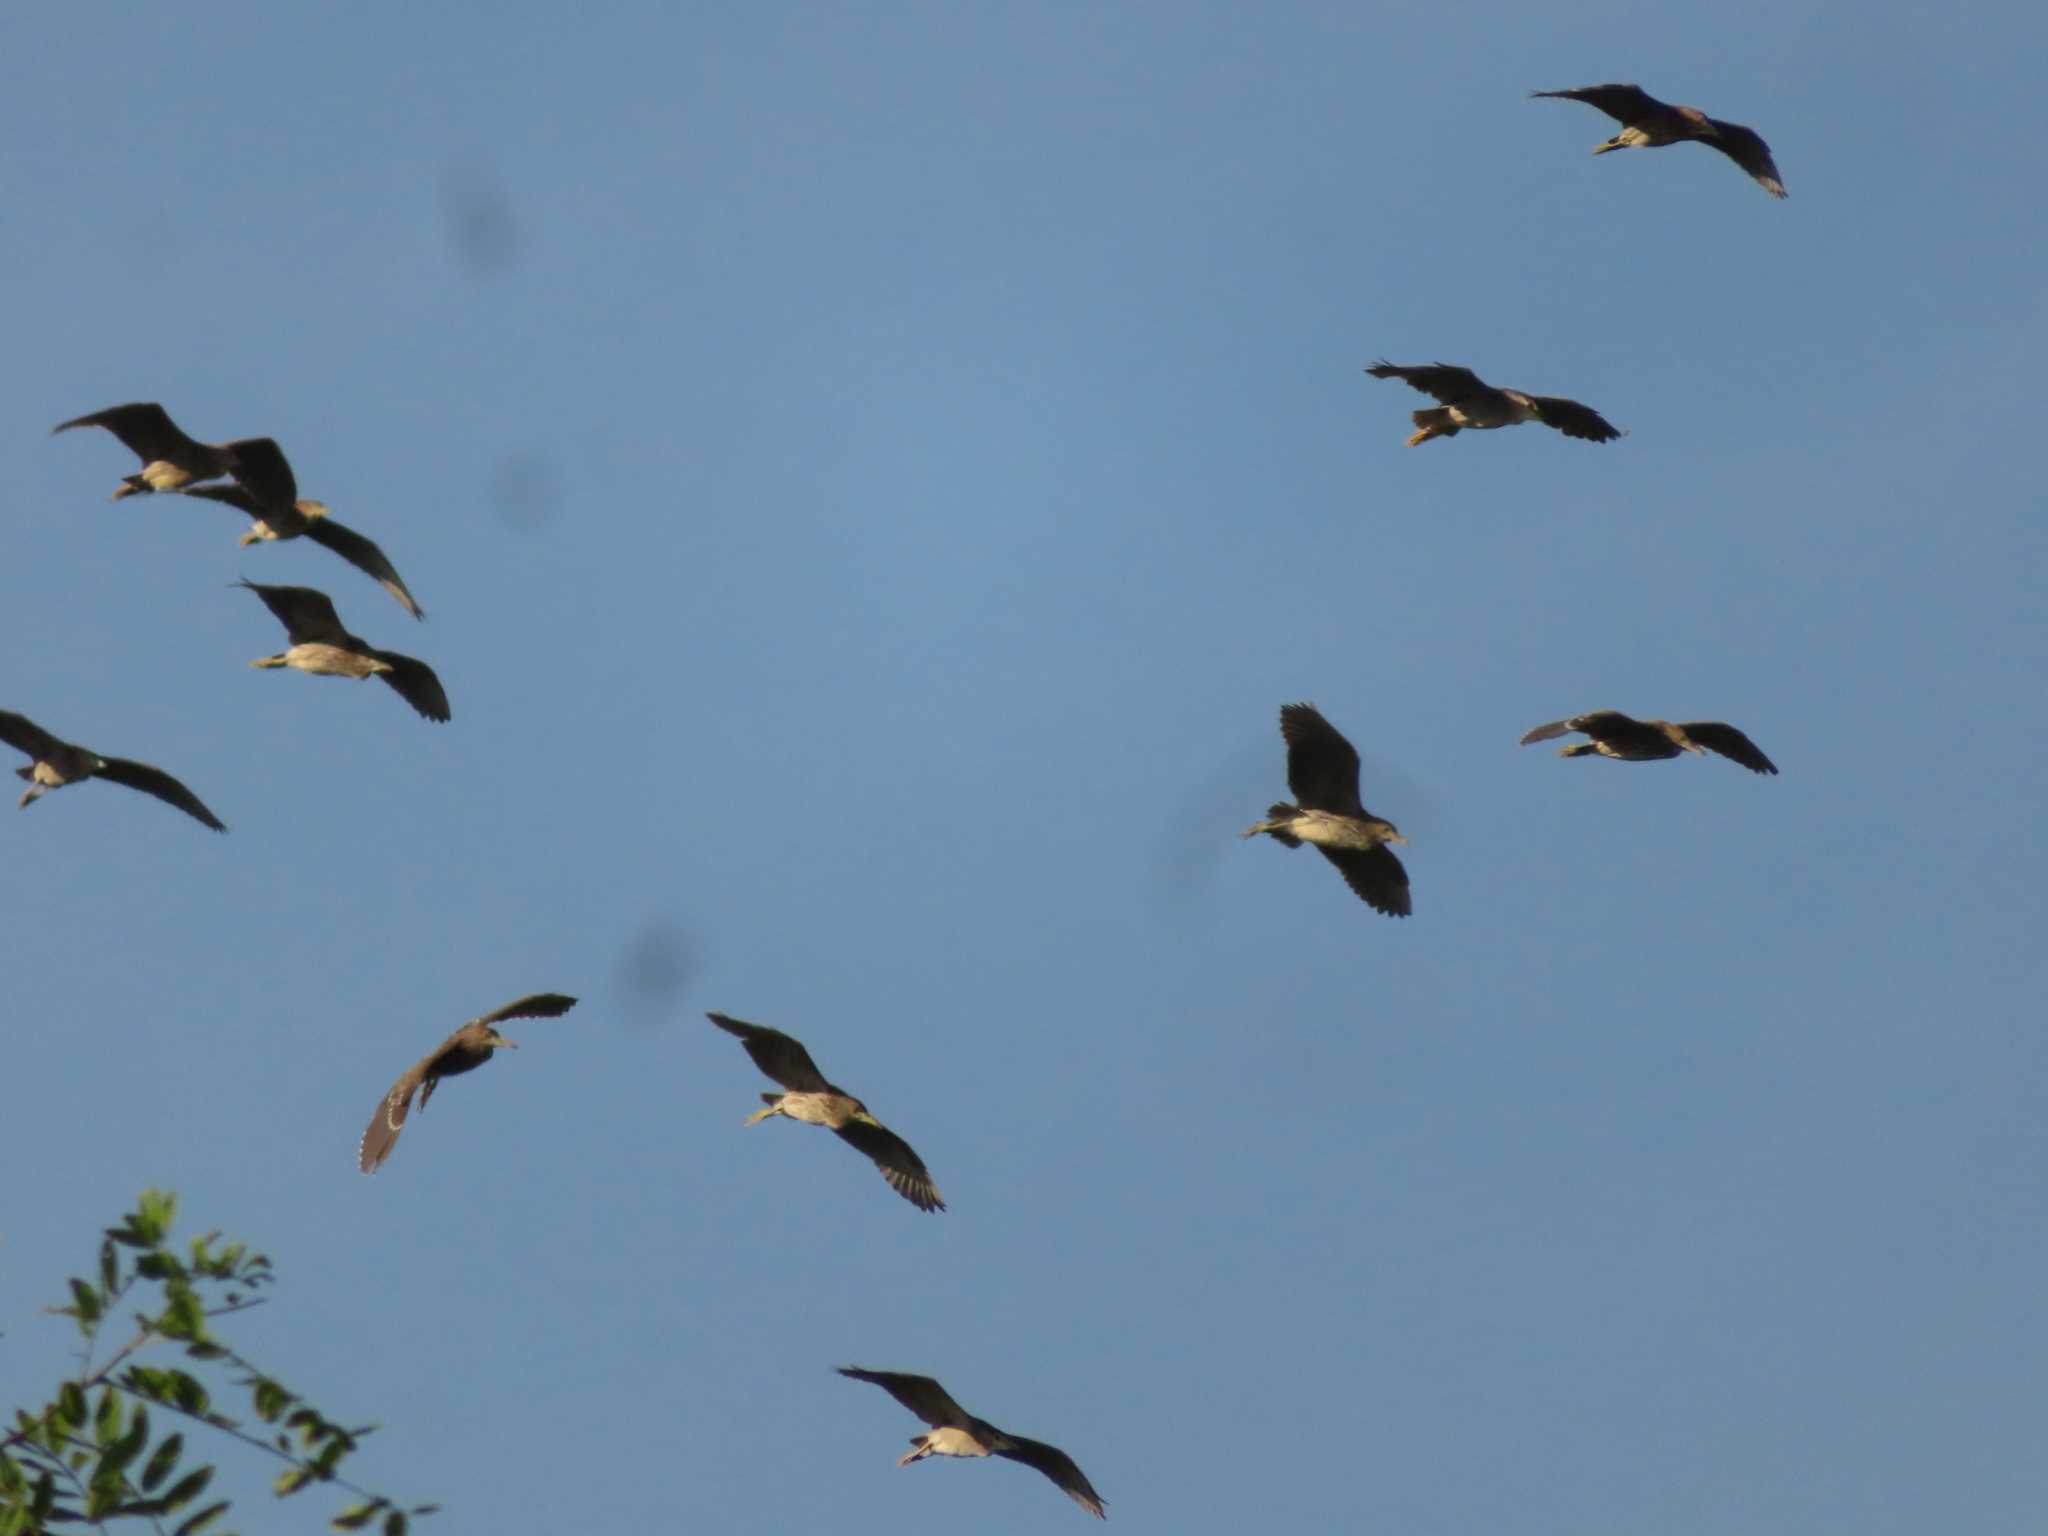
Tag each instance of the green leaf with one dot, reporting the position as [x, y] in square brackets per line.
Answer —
[291, 1480]
[394, 1524]
[154, 1213]
[188, 1392]
[70, 1405]
[188, 1487]
[161, 1461]
[203, 1519]
[270, 1398]
[356, 1516]
[106, 1420]
[87, 1302]
[203, 1351]
[110, 1269]
[129, 1446]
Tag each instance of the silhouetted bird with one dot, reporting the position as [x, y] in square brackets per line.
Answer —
[1469, 402]
[1648, 123]
[464, 1051]
[309, 518]
[814, 1101]
[1617, 736]
[956, 1432]
[57, 763]
[320, 645]
[1322, 770]
[171, 460]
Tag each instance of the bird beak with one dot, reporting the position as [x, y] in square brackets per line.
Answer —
[1395, 837]
[512, 1043]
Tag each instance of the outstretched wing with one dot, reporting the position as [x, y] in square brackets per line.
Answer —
[1716, 736]
[779, 1056]
[381, 1134]
[1624, 103]
[1745, 146]
[1573, 419]
[1057, 1465]
[285, 522]
[365, 556]
[416, 683]
[306, 613]
[1549, 732]
[1446, 382]
[535, 1005]
[24, 735]
[144, 428]
[154, 781]
[1375, 876]
[920, 1394]
[1322, 767]
[261, 469]
[903, 1168]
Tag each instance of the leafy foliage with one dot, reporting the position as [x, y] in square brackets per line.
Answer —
[89, 1456]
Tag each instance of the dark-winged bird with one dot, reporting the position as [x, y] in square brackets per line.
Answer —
[320, 645]
[1322, 770]
[1648, 123]
[1469, 401]
[809, 1098]
[1617, 736]
[956, 1432]
[294, 519]
[57, 763]
[464, 1051]
[171, 460]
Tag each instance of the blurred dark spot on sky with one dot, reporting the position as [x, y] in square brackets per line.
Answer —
[655, 969]
[482, 227]
[526, 491]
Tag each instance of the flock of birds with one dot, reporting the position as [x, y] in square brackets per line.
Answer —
[253, 476]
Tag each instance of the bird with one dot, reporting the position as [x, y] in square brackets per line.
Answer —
[956, 1432]
[319, 644]
[1322, 771]
[309, 518]
[464, 1051]
[1617, 736]
[1648, 123]
[810, 1098]
[57, 763]
[1469, 401]
[171, 460]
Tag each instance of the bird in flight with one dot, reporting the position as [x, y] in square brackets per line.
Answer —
[319, 644]
[1615, 735]
[1647, 123]
[56, 763]
[1322, 771]
[1470, 402]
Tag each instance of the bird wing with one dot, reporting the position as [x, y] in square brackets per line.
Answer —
[903, 1168]
[779, 1056]
[1057, 1465]
[261, 469]
[365, 556]
[416, 683]
[1548, 732]
[1445, 381]
[535, 1005]
[1716, 736]
[922, 1395]
[1746, 147]
[24, 735]
[1375, 876]
[306, 613]
[381, 1134]
[1573, 419]
[1624, 103]
[1322, 767]
[154, 781]
[144, 428]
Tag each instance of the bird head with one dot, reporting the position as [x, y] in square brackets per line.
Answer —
[1392, 833]
[313, 508]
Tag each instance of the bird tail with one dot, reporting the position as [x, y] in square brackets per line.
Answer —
[1275, 826]
[1435, 422]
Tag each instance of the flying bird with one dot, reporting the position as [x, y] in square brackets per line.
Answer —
[464, 1051]
[57, 763]
[320, 645]
[1322, 771]
[1617, 736]
[293, 519]
[171, 460]
[814, 1101]
[1469, 401]
[956, 1432]
[1647, 123]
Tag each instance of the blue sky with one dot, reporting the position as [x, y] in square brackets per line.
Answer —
[874, 474]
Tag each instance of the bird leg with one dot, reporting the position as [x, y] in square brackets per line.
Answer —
[269, 661]
[920, 1448]
[35, 792]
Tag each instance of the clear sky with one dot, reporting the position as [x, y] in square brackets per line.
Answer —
[874, 472]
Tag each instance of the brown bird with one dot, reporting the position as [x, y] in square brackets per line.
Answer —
[1470, 402]
[814, 1101]
[1322, 770]
[464, 1051]
[956, 1432]
[171, 460]
[57, 763]
[1617, 736]
[320, 645]
[1648, 123]
[290, 520]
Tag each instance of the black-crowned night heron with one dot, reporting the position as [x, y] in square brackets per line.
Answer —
[1617, 736]
[57, 763]
[464, 1051]
[808, 1097]
[320, 645]
[956, 1432]
[309, 519]
[171, 460]
[1322, 770]
[1648, 123]
[1470, 402]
